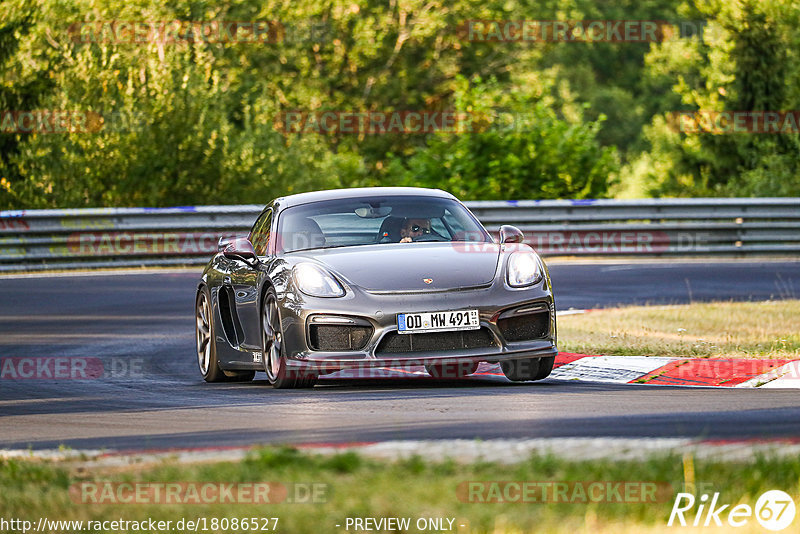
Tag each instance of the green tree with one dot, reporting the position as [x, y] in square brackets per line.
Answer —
[746, 60]
[23, 84]
[169, 124]
[524, 152]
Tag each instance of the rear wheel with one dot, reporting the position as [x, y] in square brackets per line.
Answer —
[527, 368]
[452, 369]
[275, 366]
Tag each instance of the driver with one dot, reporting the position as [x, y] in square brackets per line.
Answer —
[413, 229]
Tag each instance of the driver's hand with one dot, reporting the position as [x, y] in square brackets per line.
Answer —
[406, 240]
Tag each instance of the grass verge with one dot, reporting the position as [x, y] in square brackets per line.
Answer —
[700, 330]
[355, 486]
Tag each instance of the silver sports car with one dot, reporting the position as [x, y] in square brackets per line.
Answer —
[373, 277]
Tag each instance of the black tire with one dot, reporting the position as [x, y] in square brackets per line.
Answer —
[452, 369]
[239, 376]
[306, 380]
[204, 337]
[526, 369]
[275, 366]
[545, 367]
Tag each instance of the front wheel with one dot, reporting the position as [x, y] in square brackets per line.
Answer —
[527, 368]
[204, 335]
[275, 366]
[545, 367]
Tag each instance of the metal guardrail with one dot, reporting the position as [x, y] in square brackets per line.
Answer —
[125, 237]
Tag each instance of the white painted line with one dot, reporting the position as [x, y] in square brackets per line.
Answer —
[570, 312]
[617, 369]
[54, 454]
[583, 260]
[106, 272]
[506, 451]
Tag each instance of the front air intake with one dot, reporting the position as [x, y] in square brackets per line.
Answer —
[338, 337]
[526, 327]
[436, 341]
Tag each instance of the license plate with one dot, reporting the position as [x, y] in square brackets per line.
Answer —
[413, 323]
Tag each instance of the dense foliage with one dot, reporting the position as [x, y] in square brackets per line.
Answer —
[198, 122]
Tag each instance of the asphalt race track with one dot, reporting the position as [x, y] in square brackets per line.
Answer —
[142, 328]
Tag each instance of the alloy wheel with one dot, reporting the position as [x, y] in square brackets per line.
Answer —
[271, 339]
[203, 329]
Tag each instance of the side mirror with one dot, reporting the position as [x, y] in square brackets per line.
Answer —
[510, 234]
[239, 249]
[224, 241]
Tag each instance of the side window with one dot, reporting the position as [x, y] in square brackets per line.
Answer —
[256, 226]
[259, 236]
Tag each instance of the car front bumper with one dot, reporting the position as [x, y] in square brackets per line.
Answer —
[495, 304]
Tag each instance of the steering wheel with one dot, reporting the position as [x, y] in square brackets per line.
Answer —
[433, 236]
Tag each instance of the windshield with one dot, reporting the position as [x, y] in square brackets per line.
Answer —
[376, 220]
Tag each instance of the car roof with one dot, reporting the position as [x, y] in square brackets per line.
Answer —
[357, 192]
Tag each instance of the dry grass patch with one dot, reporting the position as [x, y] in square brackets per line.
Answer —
[706, 330]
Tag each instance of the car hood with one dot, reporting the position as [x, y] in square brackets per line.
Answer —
[406, 266]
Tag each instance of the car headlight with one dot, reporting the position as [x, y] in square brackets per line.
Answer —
[315, 281]
[524, 269]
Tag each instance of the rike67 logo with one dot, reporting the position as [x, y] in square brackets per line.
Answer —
[774, 510]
